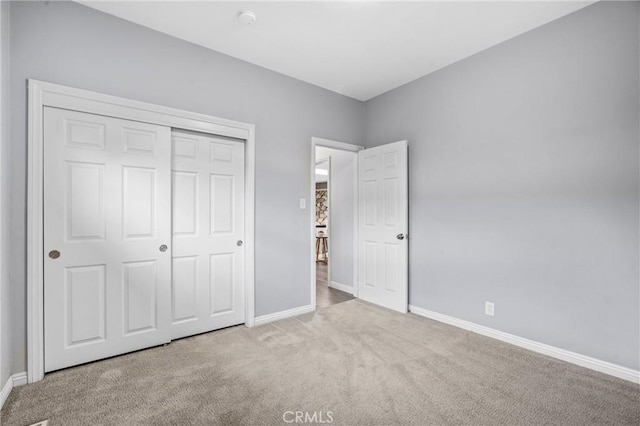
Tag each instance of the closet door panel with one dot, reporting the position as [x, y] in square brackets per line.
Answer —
[107, 205]
[208, 229]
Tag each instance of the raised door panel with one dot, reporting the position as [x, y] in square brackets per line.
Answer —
[184, 288]
[138, 200]
[370, 263]
[391, 265]
[85, 310]
[185, 147]
[390, 202]
[140, 289]
[370, 203]
[84, 134]
[85, 202]
[138, 141]
[185, 203]
[221, 283]
[221, 204]
[221, 154]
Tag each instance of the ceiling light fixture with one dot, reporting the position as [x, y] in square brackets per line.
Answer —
[246, 17]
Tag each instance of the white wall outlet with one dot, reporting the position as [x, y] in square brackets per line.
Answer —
[303, 203]
[488, 308]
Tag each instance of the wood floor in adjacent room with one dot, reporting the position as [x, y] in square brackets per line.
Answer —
[325, 295]
[364, 364]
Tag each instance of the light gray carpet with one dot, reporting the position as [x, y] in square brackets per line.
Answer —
[365, 364]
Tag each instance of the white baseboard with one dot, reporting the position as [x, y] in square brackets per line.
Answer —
[341, 287]
[6, 390]
[542, 348]
[17, 379]
[284, 314]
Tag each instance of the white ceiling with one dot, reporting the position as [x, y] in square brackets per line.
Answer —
[358, 48]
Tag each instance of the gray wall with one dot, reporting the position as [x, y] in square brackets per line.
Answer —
[70, 44]
[524, 186]
[5, 189]
[342, 195]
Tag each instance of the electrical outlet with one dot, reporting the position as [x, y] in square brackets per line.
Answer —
[488, 308]
[303, 203]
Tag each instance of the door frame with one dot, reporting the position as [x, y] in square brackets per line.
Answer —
[327, 143]
[41, 94]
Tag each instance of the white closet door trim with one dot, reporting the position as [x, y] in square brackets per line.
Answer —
[43, 94]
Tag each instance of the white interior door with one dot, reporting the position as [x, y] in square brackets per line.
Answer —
[107, 205]
[208, 233]
[383, 206]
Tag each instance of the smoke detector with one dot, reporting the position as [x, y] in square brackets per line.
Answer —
[246, 17]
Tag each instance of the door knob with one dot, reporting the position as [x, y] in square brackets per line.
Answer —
[54, 254]
[163, 248]
[400, 236]
[239, 243]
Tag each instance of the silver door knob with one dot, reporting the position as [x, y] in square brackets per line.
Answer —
[54, 254]
[163, 248]
[239, 243]
[400, 237]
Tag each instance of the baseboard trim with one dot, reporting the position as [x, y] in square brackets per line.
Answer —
[341, 287]
[17, 379]
[264, 319]
[6, 390]
[542, 348]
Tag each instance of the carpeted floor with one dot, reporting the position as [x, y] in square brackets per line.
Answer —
[364, 364]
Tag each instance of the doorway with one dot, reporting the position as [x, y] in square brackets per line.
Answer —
[334, 222]
[326, 294]
[378, 253]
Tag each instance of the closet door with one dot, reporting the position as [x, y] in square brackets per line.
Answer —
[107, 227]
[208, 233]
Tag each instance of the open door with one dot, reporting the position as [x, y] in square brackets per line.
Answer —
[383, 205]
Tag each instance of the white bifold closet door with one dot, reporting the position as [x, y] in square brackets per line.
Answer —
[208, 233]
[107, 204]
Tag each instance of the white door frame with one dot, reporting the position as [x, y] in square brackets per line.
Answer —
[43, 94]
[4, 142]
[327, 143]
